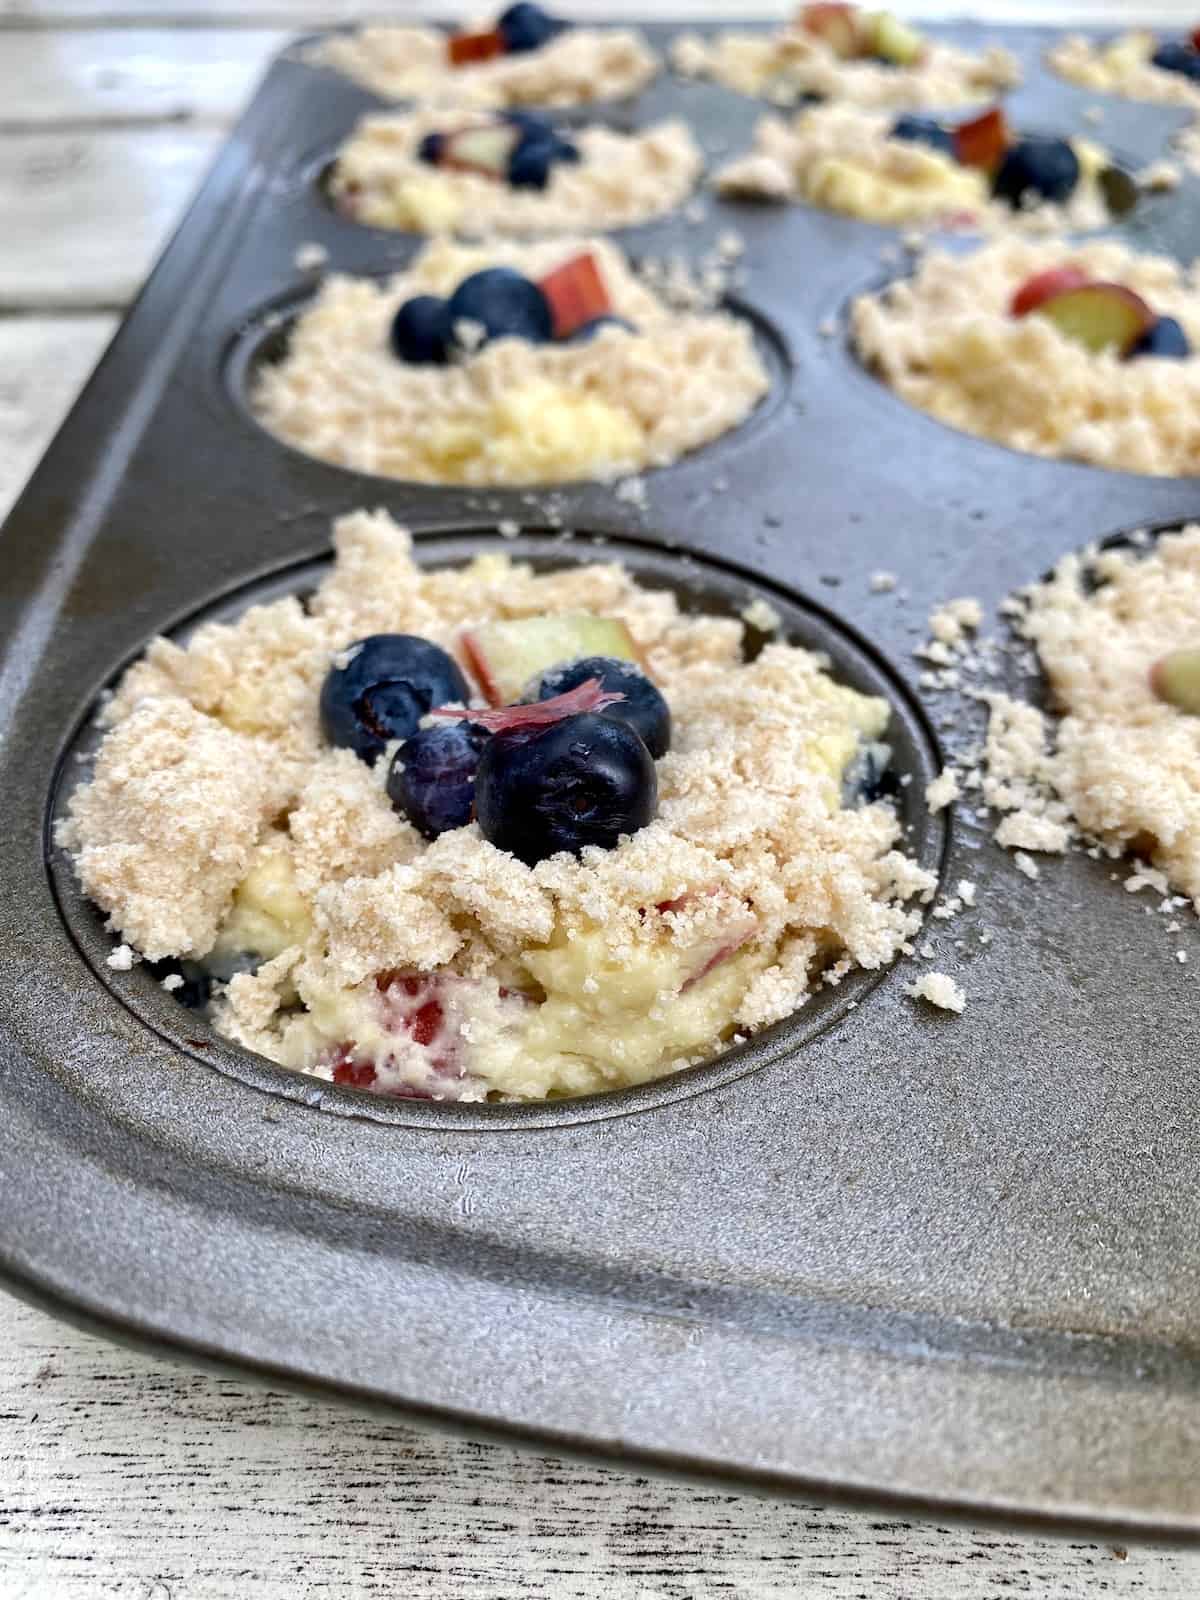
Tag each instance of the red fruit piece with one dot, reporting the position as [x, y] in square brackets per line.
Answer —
[587, 696]
[349, 1071]
[1194, 40]
[837, 25]
[577, 294]
[1044, 286]
[983, 141]
[467, 49]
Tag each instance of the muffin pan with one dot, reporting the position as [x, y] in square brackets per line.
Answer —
[878, 1252]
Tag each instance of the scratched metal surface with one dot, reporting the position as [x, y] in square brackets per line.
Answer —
[878, 1253]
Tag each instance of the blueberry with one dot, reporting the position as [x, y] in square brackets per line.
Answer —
[1048, 168]
[870, 776]
[431, 147]
[421, 332]
[1166, 338]
[923, 130]
[586, 780]
[535, 156]
[389, 683]
[504, 304]
[527, 27]
[1176, 57]
[643, 707]
[432, 777]
[588, 332]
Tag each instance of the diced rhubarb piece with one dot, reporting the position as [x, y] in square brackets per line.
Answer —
[506, 657]
[983, 141]
[1194, 39]
[584, 698]
[739, 928]
[1044, 286]
[468, 49]
[837, 26]
[577, 295]
[1100, 316]
[1176, 680]
[485, 150]
[349, 1070]
[894, 41]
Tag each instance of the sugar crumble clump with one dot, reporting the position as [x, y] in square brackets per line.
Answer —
[940, 990]
[967, 891]
[1026, 864]
[622, 179]
[172, 981]
[121, 959]
[218, 819]
[310, 257]
[951, 622]
[883, 582]
[1160, 177]
[943, 791]
[579, 66]
[761, 614]
[514, 412]
[508, 528]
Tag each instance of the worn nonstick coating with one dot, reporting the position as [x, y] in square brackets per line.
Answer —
[880, 1252]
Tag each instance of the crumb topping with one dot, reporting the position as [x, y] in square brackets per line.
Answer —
[579, 67]
[945, 341]
[622, 179]
[514, 412]
[940, 990]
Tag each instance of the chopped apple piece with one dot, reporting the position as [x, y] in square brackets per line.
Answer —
[983, 141]
[1044, 286]
[506, 657]
[468, 49]
[1176, 680]
[1100, 316]
[894, 41]
[484, 150]
[577, 294]
[838, 26]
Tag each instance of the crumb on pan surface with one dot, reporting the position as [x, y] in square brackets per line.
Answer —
[217, 819]
[578, 67]
[1121, 66]
[944, 341]
[513, 412]
[940, 990]
[841, 157]
[786, 65]
[622, 179]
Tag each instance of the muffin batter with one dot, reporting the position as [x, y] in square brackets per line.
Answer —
[219, 821]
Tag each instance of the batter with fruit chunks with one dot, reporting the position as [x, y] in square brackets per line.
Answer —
[846, 52]
[978, 173]
[1086, 352]
[482, 832]
[508, 364]
[481, 173]
[525, 57]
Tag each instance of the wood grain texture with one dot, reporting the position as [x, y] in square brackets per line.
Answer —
[124, 1476]
[98, 75]
[43, 364]
[85, 213]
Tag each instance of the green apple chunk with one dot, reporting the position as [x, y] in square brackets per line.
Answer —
[893, 40]
[507, 656]
[1100, 316]
[1176, 679]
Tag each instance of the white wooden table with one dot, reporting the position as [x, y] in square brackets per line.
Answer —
[123, 1476]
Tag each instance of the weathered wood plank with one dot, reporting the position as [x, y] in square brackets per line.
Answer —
[84, 214]
[43, 363]
[120, 1475]
[52, 76]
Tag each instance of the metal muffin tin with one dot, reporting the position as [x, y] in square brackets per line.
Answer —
[879, 1252]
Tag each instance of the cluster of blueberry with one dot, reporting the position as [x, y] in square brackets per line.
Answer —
[571, 765]
[570, 306]
[520, 149]
[1046, 168]
[1182, 56]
